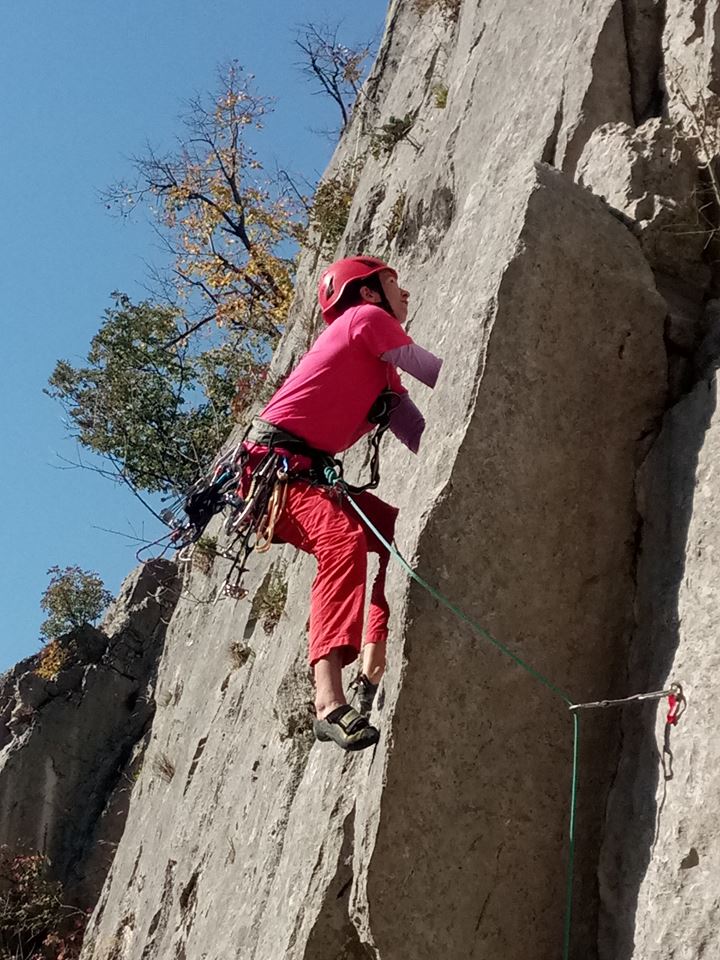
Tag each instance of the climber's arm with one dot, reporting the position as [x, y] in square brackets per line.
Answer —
[407, 423]
[415, 360]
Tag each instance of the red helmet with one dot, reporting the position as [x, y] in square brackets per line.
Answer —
[338, 275]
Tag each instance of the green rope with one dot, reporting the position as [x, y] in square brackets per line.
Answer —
[571, 837]
[461, 615]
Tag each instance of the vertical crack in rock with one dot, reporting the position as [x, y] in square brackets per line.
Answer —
[644, 22]
[364, 218]
[430, 71]
[671, 480]
[486, 901]
[642, 825]
[550, 149]
[476, 40]
[698, 18]
[160, 919]
[195, 761]
[334, 936]
[608, 95]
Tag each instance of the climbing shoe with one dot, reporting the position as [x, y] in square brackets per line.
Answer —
[365, 692]
[347, 728]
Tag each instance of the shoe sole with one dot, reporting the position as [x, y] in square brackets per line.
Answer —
[372, 736]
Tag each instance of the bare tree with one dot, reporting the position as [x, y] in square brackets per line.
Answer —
[337, 69]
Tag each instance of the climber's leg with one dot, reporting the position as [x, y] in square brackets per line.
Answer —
[329, 693]
[383, 516]
[314, 520]
[335, 720]
[374, 660]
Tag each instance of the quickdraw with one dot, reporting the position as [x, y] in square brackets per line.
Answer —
[676, 705]
[253, 521]
[674, 696]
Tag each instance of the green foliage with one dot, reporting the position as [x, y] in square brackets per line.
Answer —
[34, 922]
[394, 221]
[328, 214]
[72, 598]
[164, 767]
[154, 410]
[156, 397]
[388, 135]
[204, 553]
[440, 93]
[240, 653]
[450, 9]
[270, 601]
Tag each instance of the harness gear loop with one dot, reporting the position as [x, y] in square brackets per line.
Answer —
[253, 518]
[266, 526]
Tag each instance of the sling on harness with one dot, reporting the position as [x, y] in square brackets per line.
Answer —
[252, 518]
[268, 486]
[268, 435]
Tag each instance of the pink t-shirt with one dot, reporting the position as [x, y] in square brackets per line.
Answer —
[326, 399]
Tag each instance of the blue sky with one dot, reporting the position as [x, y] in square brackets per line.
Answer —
[85, 86]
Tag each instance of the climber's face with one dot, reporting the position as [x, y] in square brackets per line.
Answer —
[396, 297]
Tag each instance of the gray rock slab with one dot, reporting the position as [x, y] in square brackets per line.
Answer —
[262, 820]
[691, 53]
[651, 175]
[72, 737]
[475, 789]
[661, 856]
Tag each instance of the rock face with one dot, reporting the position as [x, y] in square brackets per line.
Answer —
[69, 743]
[661, 839]
[535, 220]
[265, 823]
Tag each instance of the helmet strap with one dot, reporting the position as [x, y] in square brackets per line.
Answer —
[377, 287]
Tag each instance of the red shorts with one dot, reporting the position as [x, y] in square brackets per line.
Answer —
[318, 520]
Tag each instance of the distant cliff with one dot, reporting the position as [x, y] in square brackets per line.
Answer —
[72, 746]
[544, 176]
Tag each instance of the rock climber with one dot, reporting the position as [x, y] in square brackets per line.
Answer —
[323, 407]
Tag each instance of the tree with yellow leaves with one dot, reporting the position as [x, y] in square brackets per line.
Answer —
[230, 233]
[155, 398]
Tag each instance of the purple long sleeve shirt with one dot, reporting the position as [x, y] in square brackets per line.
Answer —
[406, 421]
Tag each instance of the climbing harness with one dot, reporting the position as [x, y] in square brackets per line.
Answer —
[251, 519]
[674, 694]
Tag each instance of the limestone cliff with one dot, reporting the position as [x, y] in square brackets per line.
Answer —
[548, 201]
[72, 746]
